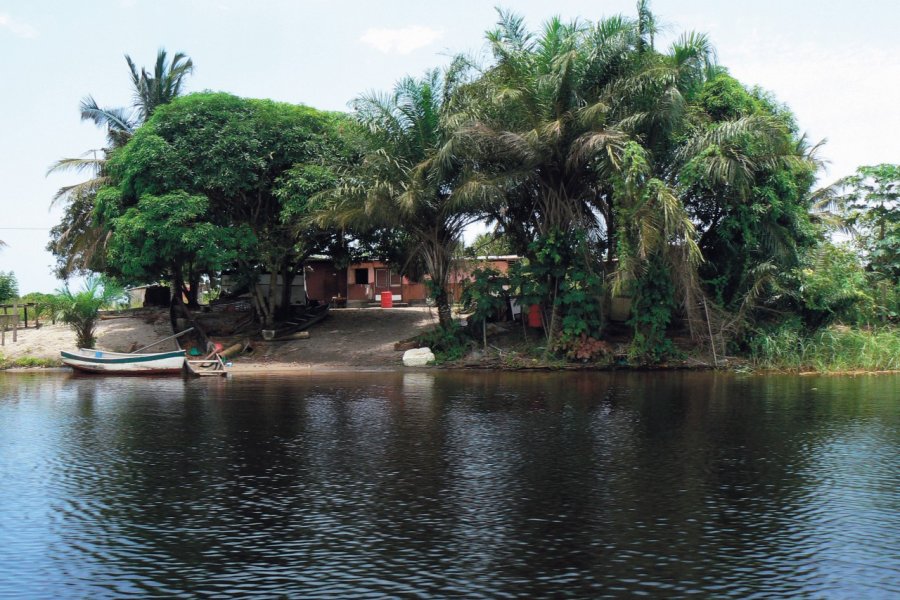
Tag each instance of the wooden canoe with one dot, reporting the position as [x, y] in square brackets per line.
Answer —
[90, 360]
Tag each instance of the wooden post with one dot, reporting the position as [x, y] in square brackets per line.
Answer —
[3, 333]
[15, 321]
[25, 307]
[712, 341]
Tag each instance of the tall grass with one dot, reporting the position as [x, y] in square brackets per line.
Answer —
[835, 348]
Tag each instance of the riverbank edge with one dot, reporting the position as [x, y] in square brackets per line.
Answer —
[285, 368]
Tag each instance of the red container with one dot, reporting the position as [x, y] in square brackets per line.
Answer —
[387, 300]
[534, 315]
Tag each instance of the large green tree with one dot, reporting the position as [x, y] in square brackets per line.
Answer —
[255, 164]
[871, 202]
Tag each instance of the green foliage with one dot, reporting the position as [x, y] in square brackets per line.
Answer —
[171, 229]
[81, 310]
[43, 303]
[581, 300]
[747, 217]
[833, 286]
[27, 362]
[563, 273]
[654, 303]
[790, 346]
[79, 241]
[872, 204]
[490, 244]
[485, 295]
[222, 182]
[9, 286]
[408, 180]
[447, 343]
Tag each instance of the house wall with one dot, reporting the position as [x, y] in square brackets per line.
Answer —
[324, 280]
[401, 288]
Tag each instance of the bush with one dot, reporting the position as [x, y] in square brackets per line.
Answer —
[448, 344]
[833, 287]
[9, 287]
[81, 310]
[835, 348]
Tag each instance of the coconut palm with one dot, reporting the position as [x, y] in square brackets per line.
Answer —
[408, 179]
[163, 85]
[78, 242]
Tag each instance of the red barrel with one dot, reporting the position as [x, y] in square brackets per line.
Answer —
[387, 300]
[534, 315]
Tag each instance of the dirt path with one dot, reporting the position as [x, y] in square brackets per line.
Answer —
[351, 337]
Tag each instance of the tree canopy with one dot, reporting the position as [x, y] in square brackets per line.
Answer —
[226, 172]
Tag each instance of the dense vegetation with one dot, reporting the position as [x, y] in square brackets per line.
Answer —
[616, 168]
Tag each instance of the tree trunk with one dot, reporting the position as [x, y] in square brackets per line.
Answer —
[445, 316]
[555, 320]
[287, 281]
[176, 285]
[270, 300]
[194, 289]
[260, 302]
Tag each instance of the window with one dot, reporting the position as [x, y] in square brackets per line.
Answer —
[361, 276]
[387, 278]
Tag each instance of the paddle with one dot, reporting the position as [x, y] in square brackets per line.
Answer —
[179, 334]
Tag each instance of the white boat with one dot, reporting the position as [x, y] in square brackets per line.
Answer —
[120, 363]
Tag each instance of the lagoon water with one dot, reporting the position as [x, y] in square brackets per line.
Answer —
[450, 484]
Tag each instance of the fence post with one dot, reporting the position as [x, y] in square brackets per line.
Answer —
[15, 321]
[712, 340]
[3, 332]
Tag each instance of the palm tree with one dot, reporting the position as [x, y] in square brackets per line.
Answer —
[77, 241]
[408, 179]
[549, 147]
[160, 87]
[81, 309]
[589, 127]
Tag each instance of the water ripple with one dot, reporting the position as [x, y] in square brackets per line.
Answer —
[450, 485]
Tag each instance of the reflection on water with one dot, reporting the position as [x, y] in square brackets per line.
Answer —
[486, 484]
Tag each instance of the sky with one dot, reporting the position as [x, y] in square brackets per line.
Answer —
[833, 62]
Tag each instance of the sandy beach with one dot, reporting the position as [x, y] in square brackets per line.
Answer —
[347, 338]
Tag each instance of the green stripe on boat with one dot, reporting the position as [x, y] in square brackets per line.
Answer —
[111, 361]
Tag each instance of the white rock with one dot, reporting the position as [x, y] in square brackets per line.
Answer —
[418, 357]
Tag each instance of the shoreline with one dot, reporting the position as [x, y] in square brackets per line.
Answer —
[349, 340]
[263, 369]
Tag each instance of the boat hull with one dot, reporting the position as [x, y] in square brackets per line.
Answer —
[117, 363]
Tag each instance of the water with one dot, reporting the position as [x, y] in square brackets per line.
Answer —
[466, 485]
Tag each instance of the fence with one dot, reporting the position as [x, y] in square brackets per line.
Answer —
[19, 314]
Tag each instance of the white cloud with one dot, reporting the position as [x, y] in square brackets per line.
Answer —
[400, 41]
[17, 28]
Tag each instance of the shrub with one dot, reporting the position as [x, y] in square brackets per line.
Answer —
[81, 310]
[447, 343]
[835, 348]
